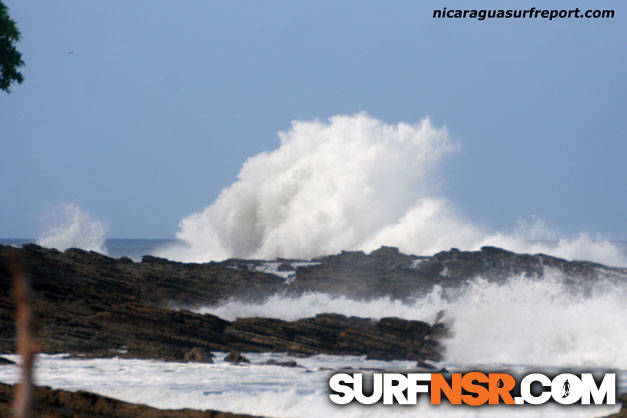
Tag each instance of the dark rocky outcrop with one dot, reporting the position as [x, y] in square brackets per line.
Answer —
[387, 272]
[388, 338]
[52, 403]
[92, 305]
[236, 357]
[198, 355]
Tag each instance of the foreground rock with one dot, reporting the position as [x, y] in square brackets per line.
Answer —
[97, 309]
[52, 403]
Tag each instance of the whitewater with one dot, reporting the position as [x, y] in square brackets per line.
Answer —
[352, 183]
[256, 388]
[520, 325]
[356, 183]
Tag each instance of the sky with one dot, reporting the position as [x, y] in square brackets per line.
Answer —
[141, 112]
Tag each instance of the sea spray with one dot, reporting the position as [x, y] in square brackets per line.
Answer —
[354, 183]
[532, 321]
[77, 229]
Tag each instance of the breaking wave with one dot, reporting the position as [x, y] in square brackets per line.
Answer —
[522, 321]
[354, 183]
[77, 229]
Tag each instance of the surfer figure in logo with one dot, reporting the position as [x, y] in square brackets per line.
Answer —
[566, 388]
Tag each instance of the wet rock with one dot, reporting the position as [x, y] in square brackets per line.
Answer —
[425, 365]
[289, 363]
[391, 338]
[51, 403]
[90, 304]
[236, 357]
[198, 355]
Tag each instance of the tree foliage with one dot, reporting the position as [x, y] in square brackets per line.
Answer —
[10, 58]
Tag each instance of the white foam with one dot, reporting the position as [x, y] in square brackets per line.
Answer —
[253, 389]
[272, 267]
[523, 321]
[77, 229]
[354, 183]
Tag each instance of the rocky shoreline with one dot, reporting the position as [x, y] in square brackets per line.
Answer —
[91, 305]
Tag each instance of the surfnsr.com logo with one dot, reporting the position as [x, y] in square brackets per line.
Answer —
[472, 388]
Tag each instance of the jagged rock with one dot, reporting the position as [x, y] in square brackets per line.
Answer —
[387, 272]
[236, 357]
[52, 403]
[92, 304]
[198, 355]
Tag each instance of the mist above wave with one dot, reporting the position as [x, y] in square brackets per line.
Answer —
[354, 183]
[75, 229]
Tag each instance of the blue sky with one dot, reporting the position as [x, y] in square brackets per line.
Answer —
[161, 102]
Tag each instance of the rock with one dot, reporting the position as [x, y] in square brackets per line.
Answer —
[125, 260]
[388, 273]
[622, 399]
[440, 330]
[6, 361]
[236, 357]
[90, 304]
[425, 365]
[285, 267]
[52, 403]
[391, 338]
[198, 355]
[289, 363]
